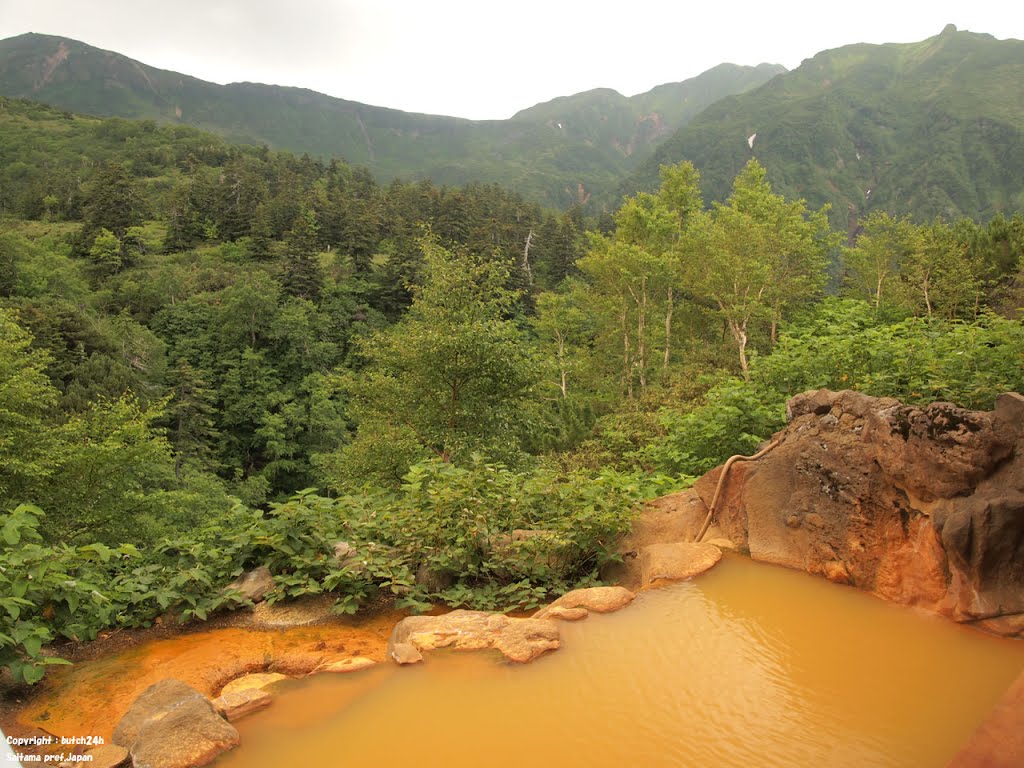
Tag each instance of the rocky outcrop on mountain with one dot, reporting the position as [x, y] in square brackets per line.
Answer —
[921, 506]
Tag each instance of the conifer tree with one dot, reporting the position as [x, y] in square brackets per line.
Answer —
[303, 276]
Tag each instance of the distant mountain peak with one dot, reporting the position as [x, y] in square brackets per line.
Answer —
[931, 128]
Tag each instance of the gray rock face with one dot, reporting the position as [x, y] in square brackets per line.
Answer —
[254, 585]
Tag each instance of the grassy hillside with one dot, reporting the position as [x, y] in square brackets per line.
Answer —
[934, 128]
[604, 134]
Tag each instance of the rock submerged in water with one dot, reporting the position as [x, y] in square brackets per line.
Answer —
[353, 664]
[256, 681]
[237, 705]
[519, 640]
[172, 725]
[577, 604]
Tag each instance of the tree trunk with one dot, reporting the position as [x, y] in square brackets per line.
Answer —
[668, 330]
[739, 333]
[627, 373]
[641, 334]
[526, 259]
[564, 382]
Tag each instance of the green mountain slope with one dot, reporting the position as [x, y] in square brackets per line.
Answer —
[934, 128]
[607, 133]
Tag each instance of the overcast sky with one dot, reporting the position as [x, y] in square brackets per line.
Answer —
[479, 59]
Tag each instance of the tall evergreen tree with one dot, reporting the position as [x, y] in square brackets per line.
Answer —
[302, 276]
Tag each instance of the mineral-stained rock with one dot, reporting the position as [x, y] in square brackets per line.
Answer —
[254, 585]
[836, 572]
[519, 640]
[922, 506]
[596, 599]
[237, 705]
[353, 664]
[171, 725]
[676, 562]
[257, 681]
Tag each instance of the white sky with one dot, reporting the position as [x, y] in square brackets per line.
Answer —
[479, 59]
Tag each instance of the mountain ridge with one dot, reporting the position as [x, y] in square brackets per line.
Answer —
[932, 128]
[523, 152]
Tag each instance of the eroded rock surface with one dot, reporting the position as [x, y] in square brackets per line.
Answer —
[922, 506]
[519, 640]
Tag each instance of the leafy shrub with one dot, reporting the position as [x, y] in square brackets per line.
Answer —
[445, 519]
[844, 344]
[60, 591]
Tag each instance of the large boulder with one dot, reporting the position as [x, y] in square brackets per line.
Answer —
[172, 725]
[922, 506]
[519, 640]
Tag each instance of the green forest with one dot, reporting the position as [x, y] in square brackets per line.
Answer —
[214, 357]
